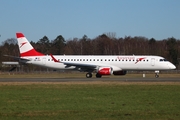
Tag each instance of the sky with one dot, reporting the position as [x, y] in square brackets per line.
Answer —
[159, 19]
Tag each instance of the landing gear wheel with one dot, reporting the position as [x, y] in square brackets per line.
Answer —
[156, 75]
[98, 75]
[89, 75]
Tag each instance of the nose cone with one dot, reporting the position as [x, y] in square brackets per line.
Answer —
[171, 66]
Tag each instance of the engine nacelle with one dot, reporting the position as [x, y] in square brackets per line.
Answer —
[122, 72]
[105, 71]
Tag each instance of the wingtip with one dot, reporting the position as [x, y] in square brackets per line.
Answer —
[19, 35]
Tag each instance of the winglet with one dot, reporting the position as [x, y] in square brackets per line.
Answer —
[55, 60]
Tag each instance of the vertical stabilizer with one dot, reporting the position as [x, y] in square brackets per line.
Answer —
[25, 47]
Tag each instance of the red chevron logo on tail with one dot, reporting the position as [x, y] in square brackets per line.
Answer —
[22, 44]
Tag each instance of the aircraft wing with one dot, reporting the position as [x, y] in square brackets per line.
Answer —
[85, 67]
[17, 58]
[77, 65]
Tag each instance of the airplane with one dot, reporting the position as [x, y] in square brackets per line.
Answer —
[99, 64]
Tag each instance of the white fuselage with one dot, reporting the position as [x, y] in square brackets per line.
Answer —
[116, 62]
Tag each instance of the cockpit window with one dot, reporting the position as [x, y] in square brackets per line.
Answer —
[162, 60]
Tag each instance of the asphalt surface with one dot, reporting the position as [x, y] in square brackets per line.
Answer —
[89, 79]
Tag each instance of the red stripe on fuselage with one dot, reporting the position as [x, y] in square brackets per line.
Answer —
[32, 52]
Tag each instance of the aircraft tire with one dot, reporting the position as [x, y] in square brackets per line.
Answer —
[98, 75]
[89, 75]
[156, 76]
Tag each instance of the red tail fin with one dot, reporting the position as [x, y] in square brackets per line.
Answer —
[25, 47]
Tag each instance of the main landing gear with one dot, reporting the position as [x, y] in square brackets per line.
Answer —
[89, 75]
[156, 74]
[98, 75]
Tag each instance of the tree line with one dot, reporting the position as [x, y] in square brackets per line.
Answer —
[105, 44]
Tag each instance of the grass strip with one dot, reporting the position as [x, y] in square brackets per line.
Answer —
[101, 101]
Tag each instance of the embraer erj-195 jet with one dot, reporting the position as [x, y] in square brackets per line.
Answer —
[99, 64]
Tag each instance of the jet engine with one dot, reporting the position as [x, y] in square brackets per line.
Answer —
[105, 71]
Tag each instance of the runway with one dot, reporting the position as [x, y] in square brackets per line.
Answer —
[89, 79]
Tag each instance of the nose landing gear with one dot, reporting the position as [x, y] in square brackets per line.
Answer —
[156, 73]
